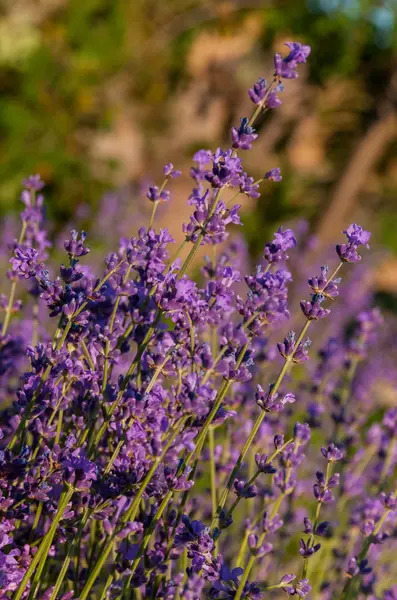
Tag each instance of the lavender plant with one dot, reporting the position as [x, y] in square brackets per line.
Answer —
[153, 444]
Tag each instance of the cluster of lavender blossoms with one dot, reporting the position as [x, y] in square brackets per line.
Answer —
[154, 443]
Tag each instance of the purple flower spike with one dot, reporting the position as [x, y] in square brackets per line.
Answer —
[272, 100]
[34, 183]
[286, 67]
[277, 249]
[24, 262]
[321, 285]
[244, 491]
[356, 236]
[226, 170]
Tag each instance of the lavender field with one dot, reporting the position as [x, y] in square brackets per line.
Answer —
[178, 423]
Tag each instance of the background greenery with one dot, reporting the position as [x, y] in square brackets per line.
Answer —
[96, 94]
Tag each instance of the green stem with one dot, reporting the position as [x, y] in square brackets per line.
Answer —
[312, 536]
[256, 427]
[68, 556]
[132, 419]
[42, 552]
[211, 444]
[131, 370]
[154, 209]
[18, 433]
[197, 244]
[367, 544]
[87, 354]
[253, 557]
[11, 298]
[131, 512]
[36, 519]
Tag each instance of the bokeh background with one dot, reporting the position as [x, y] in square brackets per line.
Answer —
[97, 95]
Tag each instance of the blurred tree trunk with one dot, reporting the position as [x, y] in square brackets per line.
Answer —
[346, 192]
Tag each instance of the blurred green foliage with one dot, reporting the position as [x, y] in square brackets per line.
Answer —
[62, 63]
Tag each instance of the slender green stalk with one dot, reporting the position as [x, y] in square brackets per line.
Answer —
[243, 549]
[211, 444]
[42, 552]
[37, 516]
[284, 369]
[11, 297]
[127, 378]
[311, 539]
[131, 512]
[346, 592]
[68, 556]
[87, 354]
[106, 587]
[253, 556]
[197, 243]
[132, 419]
[60, 341]
[288, 361]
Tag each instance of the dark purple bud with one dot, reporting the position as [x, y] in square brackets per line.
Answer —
[308, 525]
[242, 490]
[322, 528]
[301, 433]
[332, 453]
[278, 441]
[244, 136]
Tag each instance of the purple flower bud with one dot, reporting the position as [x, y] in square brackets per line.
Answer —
[389, 501]
[308, 525]
[244, 136]
[263, 465]
[258, 91]
[75, 247]
[334, 480]
[322, 528]
[301, 433]
[270, 402]
[273, 175]
[170, 172]
[155, 195]
[278, 441]
[34, 182]
[307, 550]
[243, 490]
[332, 453]
[313, 310]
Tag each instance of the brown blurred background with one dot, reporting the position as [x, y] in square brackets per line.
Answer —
[98, 95]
